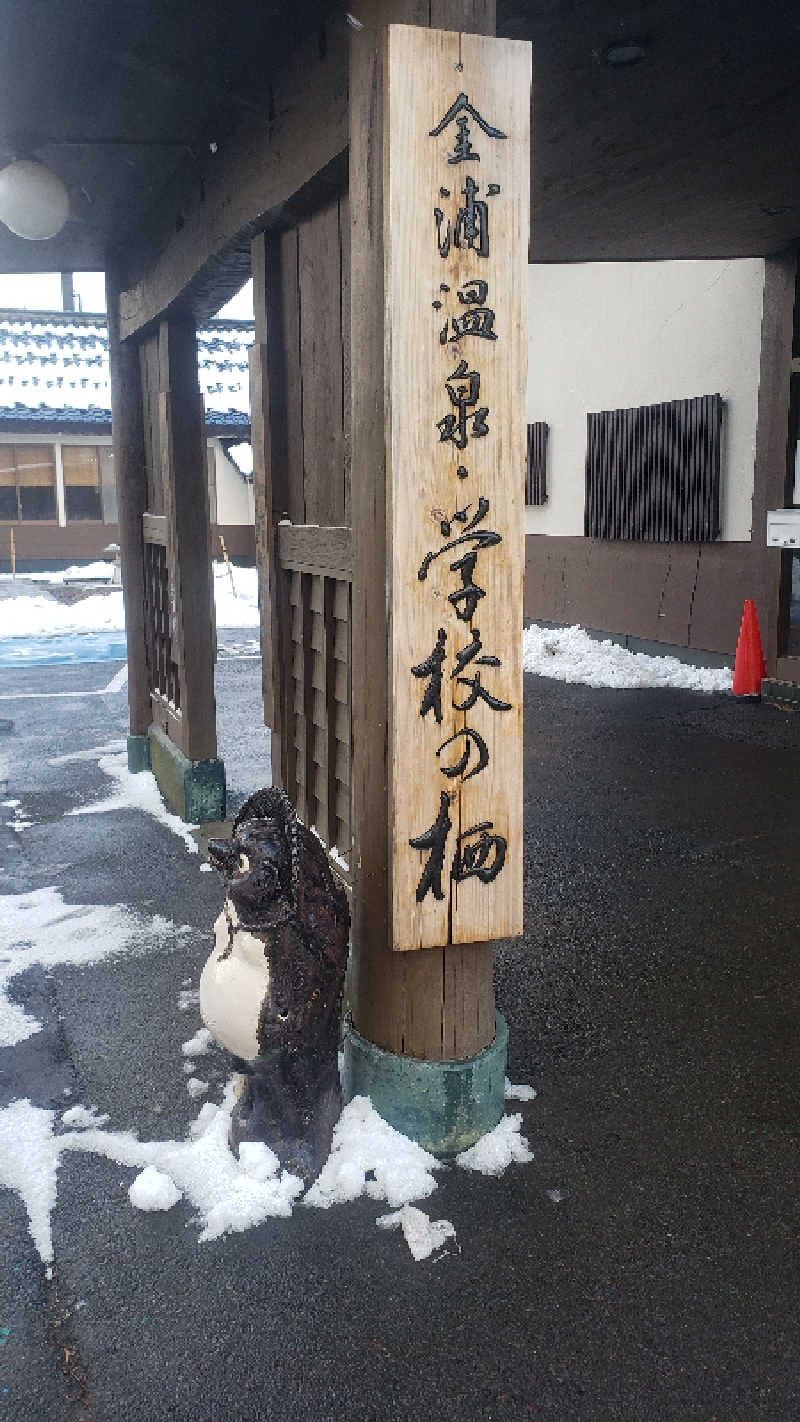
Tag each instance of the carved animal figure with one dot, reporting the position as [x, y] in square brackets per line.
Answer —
[271, 990]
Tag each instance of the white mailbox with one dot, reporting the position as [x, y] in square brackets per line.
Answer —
[783, 528]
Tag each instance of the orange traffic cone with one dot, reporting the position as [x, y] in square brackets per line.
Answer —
[749, 667]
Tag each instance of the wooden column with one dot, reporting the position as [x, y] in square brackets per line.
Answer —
[185, 481]
[437, 1003]
[269, 487]
[131, 481]
[772, 432]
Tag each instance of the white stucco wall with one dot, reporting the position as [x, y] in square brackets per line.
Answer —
[614, 335]
[234, 495]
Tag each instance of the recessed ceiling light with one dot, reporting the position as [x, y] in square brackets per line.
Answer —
[620, 53]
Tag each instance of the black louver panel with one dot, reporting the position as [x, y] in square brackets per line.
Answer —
[653, 473]
[536, 469]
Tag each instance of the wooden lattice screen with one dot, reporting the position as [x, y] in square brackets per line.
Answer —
[317, 736]
[162, 668]
[536, 466]
[653, 473]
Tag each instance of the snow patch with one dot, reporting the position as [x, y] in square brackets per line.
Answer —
[570, 654]
[40, 930]
[422, 1234]
[196, 1087]
[498, 1149]
[29, 1164]
[518, 1093]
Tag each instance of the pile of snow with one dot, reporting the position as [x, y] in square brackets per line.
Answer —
[367, 1158]
[40, 615]
[78, 573]
[570, 654]
[40, 930]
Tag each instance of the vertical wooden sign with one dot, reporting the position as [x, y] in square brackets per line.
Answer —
[456, 244]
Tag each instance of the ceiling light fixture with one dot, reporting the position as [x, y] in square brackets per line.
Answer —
[34, 202]
[622, 53]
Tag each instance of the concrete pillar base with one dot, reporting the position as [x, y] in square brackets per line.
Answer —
[444, 1106]
[193, 789]
[138, 754]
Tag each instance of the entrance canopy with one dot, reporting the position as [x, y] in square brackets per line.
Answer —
[691, 150]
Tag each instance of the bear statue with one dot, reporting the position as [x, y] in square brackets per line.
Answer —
[271, 990]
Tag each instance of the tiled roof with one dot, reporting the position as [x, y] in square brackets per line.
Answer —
[54, 370]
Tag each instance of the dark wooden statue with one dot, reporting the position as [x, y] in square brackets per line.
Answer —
[271, 989]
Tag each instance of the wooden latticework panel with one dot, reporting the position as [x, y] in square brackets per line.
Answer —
[318, 729]
[162, 669]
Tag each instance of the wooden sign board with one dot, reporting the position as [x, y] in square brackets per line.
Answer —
[456, 244]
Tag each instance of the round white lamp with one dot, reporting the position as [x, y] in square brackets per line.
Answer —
[34, 202]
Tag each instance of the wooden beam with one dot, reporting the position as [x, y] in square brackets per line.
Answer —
[439, 1002]
[244, 186]
[131, 480]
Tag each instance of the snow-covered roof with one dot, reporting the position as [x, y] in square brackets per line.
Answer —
[54, 371]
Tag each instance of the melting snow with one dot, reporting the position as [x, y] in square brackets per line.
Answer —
[570, 654]
[133, 792]
[196, 1087]
[39, 930]
[368, 1158]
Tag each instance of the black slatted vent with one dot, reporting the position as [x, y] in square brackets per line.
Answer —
[653, 473]
[536, 470]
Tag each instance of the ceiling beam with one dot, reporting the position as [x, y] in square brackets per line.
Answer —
[244, 186]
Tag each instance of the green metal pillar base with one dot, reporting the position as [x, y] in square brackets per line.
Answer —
[138, 754]
[193, 789]
[444, 1106]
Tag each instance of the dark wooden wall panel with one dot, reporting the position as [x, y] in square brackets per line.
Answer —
[684, 594]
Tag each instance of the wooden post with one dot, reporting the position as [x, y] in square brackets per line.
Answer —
[185, 482]
[131, 482]
[270, 486]
[437, 1003]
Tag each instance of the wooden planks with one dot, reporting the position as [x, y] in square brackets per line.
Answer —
[316, 550]
[321, 360]
[455, 239]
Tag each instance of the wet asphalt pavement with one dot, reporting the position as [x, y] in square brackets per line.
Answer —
[653, 1003]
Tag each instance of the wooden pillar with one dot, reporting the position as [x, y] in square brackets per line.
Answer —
[771, 465]
[131, 481]
[436, 1003]
[269, 488]
[185, 483]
